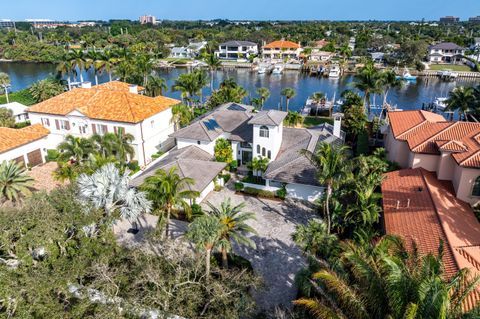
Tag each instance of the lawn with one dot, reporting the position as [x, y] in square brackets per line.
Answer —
[24, 97]
[453, 67]
[310, 121]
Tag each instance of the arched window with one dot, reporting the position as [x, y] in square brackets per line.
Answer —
[264, 131]
[258, 149]
[263, 151]
[269, 154]
[476, 187]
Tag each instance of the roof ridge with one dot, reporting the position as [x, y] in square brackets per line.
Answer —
[281, 166]
[435, 135]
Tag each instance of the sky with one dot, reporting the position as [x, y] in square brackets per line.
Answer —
[238, 9]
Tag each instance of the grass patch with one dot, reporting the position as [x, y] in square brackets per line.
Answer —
[453, 67]
[310, 121]
[23, 96]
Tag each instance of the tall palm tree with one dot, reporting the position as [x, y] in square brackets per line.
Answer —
[181, 115]
[156, 85]
[288, 93]
[75, 148]
[389, 80]
[213, 64]
[14, 183]
[330, 162]
[45, 89]
[65, 68]
[92, 60]
[461, 99]
[5, 83]
[259, 165]
[293, 119]
[205, 232]
[200, 81]
[168, 190]
[318, 98]
[234, 226]
[185, 84]
[264, 94]
[144, 64]
[107, 61]
[118, 145]
[77, 58]
[346, 53]
[369, 81]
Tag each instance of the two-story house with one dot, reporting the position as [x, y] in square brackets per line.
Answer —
[445, 52]
[262, 134]
[233, 50]
[281, 50]
[421, 139]
[109, 107]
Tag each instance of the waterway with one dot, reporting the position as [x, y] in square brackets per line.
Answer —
[410, 96]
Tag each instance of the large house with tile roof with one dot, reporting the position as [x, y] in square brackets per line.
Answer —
[25, 146]
[261, 134]
[109, 107]
[421, 139]
[281, 50]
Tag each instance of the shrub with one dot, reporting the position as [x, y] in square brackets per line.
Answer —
[197, 211]
[22, 124]
[281, 193]
[259, 192]
[133, 166]
[226, 177]
[233, 166]
[238, 186]
[157, 155]
[52, 155]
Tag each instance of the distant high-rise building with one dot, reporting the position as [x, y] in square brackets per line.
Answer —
[474, 19]
[449, 19]
[147, 19]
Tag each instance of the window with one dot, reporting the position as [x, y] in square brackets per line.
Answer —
[64, 125]
[258, 149]
[101, 129]
[263, 151]
[152, 123]
[476, 187]
[198, 142]
[269, 154]
[45, 121]
[82, 129]
[119, 129]
[264, 131]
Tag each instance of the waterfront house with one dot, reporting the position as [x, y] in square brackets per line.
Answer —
[19, 111]
[188, 52]
[320, 56]
[281, 50]
[233, 50]
[111, 107]
[26, 146]
[445, 52]
[421, 139]
[261, 134]
[422, 209]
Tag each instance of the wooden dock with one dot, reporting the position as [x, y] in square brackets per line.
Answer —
[463, 75]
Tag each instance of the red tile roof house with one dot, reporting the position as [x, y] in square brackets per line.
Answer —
[428, 201]
[280, 50]
[106, 108]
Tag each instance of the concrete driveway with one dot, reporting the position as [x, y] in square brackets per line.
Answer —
[276, 258]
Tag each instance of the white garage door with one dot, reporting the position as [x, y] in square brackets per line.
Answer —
[304, 192]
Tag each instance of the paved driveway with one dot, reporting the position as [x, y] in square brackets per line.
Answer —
[276, 258]
[42, 174]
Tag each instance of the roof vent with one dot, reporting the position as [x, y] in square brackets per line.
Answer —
[86, 85]
[420, 189]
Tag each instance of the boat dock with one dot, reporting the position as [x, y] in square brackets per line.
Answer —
[442, 74]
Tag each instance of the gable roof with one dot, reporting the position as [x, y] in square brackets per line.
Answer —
[110, 101]
[235, 43]
[12, 138]
[430, 133]
[446, 46]
[270, 117]
[282, 44]
[191, 162]
[419, 207]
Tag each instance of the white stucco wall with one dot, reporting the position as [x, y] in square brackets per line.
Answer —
[24, 150]
[446, 166]
[397, 150]
[463, 181]
[206, 146]
[304, 192]
[271, 143]
[205, 192]
[425, 161]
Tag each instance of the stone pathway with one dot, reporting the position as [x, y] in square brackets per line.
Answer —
[42, 174]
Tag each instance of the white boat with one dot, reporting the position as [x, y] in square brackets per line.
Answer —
[440, 103]
[407, 76]
[278, 69]
[448, 74]
[334, 72]
[262, 70]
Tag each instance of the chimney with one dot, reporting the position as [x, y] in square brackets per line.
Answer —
[337, 125]
[133, 88]
[86, 85]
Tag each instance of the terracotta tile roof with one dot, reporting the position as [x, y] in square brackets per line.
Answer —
[117, 85]
[430, 133]
[282, 44]
[110, 101]
[12, 138]
[429, 213]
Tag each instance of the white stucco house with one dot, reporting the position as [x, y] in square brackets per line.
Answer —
[19, 111]
[24, 146]
[421, 139]
[445, 52]
[111, 107]
[233, 50]
[262, 134]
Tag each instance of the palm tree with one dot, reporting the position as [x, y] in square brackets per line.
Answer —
[314, 239]
[205, 232]
[77, 58]
[106, 61]
[318, 98]
[5, 83]
[14, 183]
[168, 190]
[293, 119]
[264, 94]
[213, 64]
[288, 93]
[200, 81]
[109, 190]
[461, 99]
[368, 80]
[92, 60]
[258, 165]
[346, 53]
[75, 148]
[234, 226]
[156, 85]
[65, 68]
[144, 65]
[389, 80]
[330, 161]
[181, 115]
[45, 89]
[185, 84]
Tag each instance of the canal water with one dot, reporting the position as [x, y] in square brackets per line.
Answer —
[410, 96]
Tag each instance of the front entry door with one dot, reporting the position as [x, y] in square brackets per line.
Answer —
[246, 157]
